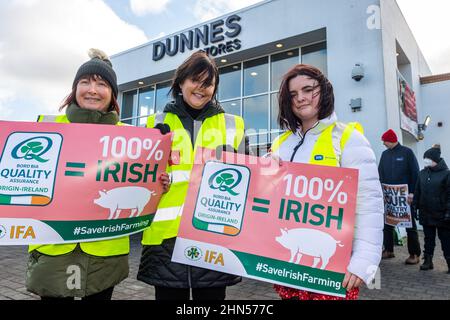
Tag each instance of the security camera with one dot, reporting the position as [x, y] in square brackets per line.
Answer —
[358, 72]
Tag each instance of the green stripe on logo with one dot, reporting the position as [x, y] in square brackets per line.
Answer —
[5, 199]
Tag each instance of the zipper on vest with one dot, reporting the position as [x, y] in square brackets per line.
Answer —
[301, 142]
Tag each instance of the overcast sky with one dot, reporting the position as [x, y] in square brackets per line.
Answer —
[42, 42]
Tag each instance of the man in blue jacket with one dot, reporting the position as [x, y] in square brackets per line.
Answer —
[398, 165]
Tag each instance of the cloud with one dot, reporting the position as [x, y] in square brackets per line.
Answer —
[43, 42]
[439, 63]
[209, 9]
[26, 3]
[144, 7]
[5, 97]
[428, 20]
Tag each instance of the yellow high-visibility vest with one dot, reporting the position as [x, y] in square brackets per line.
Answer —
[324, 151]
[221, 129]
[104, 248]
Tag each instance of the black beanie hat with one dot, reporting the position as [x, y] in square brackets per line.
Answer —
[433, 154]
[100, 65]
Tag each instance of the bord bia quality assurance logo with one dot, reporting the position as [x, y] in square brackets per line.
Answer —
[221, 198]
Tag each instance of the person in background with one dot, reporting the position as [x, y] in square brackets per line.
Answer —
[101, 264]
[314, 136]
[398, 165]
[432, 199]
[197, 120]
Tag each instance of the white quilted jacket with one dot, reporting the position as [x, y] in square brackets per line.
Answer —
[358, 154]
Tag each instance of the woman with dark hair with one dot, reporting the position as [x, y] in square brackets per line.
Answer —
[89, 270]
[197, 121]
[314, 136]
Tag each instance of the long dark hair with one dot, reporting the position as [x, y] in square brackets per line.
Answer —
[286, 118]
[199, 66]
[71, 98]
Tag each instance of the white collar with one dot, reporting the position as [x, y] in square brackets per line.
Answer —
[321, 125]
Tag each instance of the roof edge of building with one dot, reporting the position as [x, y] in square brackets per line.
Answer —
[435, 78]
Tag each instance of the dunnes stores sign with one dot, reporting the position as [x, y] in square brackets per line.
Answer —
[212, 35]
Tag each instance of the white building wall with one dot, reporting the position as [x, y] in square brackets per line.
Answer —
[351, 38]
[395, 29]
[436, 103]
[351, 41]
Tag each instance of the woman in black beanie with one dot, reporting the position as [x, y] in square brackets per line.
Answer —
[89, 270]
[432, 199]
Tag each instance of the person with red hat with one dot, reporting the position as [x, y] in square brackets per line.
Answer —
[398, 165]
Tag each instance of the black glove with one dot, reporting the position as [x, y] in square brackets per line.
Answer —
[421, 218]
[414, 212]
[163, 128]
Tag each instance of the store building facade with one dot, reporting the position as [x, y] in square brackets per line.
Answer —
[365, 47]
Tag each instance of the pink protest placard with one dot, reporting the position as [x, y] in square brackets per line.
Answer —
[290, 225]
[78, 182]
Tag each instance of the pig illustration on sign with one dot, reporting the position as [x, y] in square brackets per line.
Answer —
[315, 243]
[116, 200]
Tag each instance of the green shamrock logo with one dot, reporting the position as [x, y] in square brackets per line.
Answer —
[2, 231]
[32, 149]
[225, 180]
[193, 253]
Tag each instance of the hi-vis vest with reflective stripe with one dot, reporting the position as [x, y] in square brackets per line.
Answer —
[329, 147]
[221, 129]
[105, 248]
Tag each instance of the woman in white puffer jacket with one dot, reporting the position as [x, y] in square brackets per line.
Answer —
[306, 111]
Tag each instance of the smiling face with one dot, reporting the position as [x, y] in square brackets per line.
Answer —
[93, 93]
[305, 98]
[194, 94]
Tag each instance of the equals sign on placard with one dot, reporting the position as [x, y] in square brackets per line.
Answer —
[74, 166]
[261, 205]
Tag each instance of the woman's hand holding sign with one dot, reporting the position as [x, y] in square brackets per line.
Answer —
[351, 281]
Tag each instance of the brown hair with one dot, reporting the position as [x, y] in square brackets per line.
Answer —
[199, 66]
[71, 98]
[286, 118]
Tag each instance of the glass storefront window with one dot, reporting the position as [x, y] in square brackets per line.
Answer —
[280, 64]
[230, 82]
[128, 102]
[274, 112]
[256, 73]
[244, 86]
[316, 55]
[256, 112]
[233, 107]
[162, 96]
[256, 116]
[146, 99]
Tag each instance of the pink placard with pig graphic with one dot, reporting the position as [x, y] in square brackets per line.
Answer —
[78, 182]
[290, 225]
